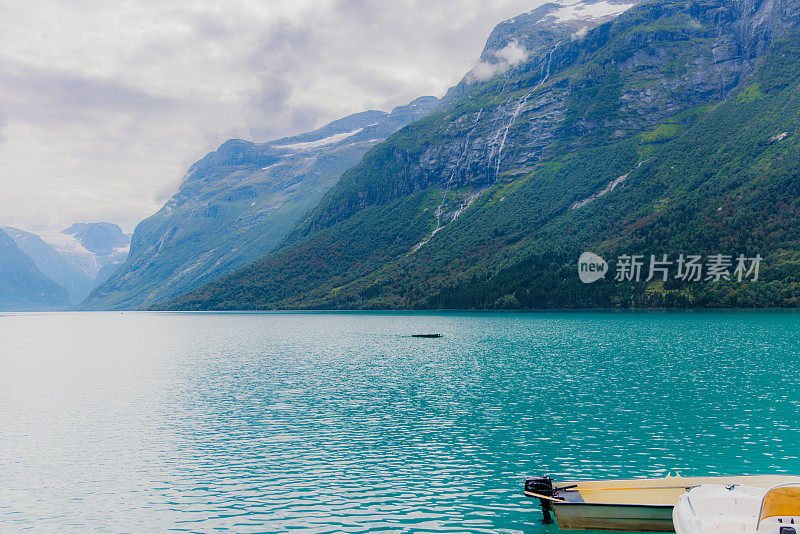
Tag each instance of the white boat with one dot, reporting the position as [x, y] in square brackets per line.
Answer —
[640, 505]
[735, 509]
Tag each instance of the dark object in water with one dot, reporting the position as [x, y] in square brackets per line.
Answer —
[426, 335]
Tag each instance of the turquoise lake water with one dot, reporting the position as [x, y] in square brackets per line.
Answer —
[148, 422]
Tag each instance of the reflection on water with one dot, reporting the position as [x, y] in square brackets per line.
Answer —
[342, 422]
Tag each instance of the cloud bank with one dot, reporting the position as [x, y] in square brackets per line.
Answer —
[104, 105]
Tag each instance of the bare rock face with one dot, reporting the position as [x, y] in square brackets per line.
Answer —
[758, 22]
[580, 81]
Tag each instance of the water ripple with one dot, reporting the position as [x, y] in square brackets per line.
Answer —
[342, 423]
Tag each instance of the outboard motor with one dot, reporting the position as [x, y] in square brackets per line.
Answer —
[535, 486]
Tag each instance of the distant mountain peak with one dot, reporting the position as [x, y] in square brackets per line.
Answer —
[77, 258]
[92, 247]
[366, 121]
[516, 40]
[54, 264]
[100, 237]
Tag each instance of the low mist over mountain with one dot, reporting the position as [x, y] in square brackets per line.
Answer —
[670, 129]
[238, 202]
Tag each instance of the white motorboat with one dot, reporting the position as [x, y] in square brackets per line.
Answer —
[738, 509]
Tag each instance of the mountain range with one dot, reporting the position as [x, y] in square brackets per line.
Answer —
[669, 130]
[637, 131]
[75, 260]
[238, 202]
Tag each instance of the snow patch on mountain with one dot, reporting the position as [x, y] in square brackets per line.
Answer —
[515, 40]
[63, 242]
[335, 138]
[587, 11]
[76, 251]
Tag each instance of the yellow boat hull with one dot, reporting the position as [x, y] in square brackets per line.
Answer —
[622, 517]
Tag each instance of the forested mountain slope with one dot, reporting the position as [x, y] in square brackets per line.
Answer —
[671, 129]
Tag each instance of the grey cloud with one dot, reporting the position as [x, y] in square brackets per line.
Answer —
[208, 26]
[349, 55]
[106, 124]
[53, 95]
[283, 60]
[3, 123]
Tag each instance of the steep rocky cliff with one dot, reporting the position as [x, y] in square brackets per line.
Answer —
[513, 41]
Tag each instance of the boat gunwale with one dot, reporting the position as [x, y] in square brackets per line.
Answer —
[678, 479]
[558, 503]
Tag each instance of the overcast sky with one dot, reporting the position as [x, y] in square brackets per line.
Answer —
[103, 105]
